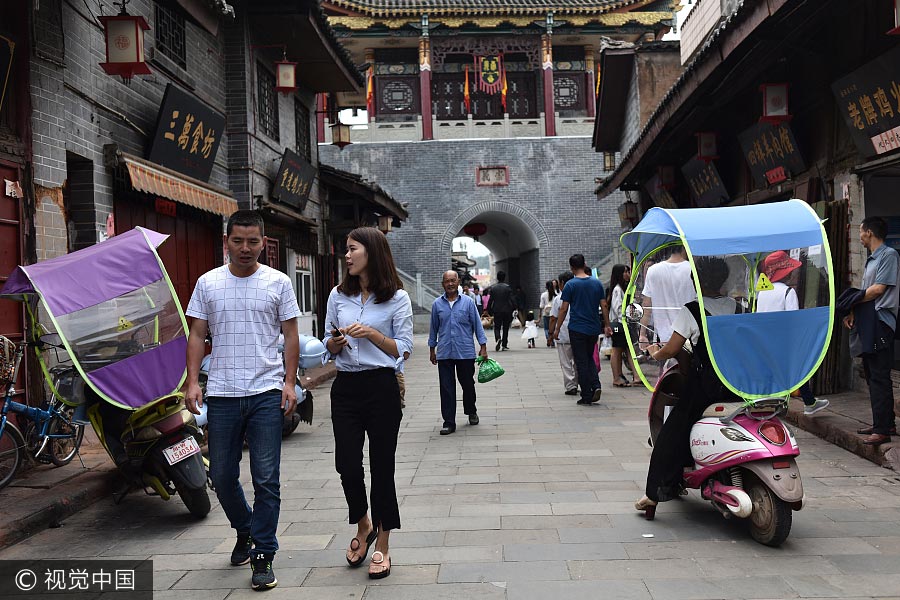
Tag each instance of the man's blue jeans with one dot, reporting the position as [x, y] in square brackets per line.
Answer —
[583, 351]
[259, 419]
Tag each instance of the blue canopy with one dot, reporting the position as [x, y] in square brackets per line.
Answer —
[727, 230]
[756, 354]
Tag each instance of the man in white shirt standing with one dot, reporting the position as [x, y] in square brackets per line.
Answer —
[245, 305]
[667, 287]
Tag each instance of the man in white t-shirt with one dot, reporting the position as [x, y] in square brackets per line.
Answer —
[245, 305]
[667, 287]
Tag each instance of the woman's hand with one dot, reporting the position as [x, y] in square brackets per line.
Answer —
[358, 330]
[337, 342]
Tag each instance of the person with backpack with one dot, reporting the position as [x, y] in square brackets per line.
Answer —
[671, 452]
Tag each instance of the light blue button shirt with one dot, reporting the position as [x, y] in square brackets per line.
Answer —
[392, 318]
[453, 326]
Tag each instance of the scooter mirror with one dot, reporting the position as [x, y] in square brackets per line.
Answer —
[51, 339]
[634, 312]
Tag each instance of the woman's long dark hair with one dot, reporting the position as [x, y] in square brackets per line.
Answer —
[617, 277]
[551, 291]
[383, 279]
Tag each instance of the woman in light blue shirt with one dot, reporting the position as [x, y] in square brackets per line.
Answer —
[369, 334]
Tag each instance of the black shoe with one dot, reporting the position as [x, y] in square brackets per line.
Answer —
[448, 429]
[584, 402]
[497, 347]
[241, 553]
[596, 396]
[473, 419]
[263, 575]
[572, 392]
[505, 348]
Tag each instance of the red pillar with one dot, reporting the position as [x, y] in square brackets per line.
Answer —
[320, 118]
[425, 86]
[591, 83]
[547, 67]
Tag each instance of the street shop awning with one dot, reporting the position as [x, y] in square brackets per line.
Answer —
[159, 181]
[377, 199]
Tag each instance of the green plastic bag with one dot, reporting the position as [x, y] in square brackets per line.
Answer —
[488, 369]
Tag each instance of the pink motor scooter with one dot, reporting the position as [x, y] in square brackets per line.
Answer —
[743, 459]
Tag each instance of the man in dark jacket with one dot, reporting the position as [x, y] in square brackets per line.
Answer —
[501, 307]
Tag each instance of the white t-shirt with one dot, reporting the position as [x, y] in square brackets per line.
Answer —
[687, 327]
[554, 312]
[244, 316]
[669, 287]
[546, 304]
[778, 299]
[617, 296]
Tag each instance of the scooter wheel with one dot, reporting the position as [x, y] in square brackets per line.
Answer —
[771, 518]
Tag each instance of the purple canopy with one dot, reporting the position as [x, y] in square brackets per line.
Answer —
[104, 271]
[97, 275]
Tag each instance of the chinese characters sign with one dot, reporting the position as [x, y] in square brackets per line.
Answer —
[706, 186]
[772, 153]
[492, 176]
[76, 579]
[869, 100]
[187, 134]
[294, 180]
[489, 70]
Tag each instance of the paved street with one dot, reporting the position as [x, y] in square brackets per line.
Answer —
[535, 502]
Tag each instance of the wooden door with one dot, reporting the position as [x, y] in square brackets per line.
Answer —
[12, 323]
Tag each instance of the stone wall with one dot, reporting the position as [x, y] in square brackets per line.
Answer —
[549, 197]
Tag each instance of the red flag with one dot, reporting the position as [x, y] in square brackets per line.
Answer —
[370, 94]
[466, 93]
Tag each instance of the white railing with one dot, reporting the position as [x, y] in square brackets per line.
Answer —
[420, 294]
[470, 128]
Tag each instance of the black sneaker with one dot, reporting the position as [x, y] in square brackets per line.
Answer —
[241, 553]
[263, 575]
[473, 419]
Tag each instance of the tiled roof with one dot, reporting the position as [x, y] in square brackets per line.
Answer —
[436, 8]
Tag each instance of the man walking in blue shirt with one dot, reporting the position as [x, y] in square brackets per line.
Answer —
[454, 320]
[581, 299]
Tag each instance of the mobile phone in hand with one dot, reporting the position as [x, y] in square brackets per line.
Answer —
[335, 332]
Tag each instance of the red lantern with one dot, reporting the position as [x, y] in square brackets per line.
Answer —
[124, 35]
[473, 230]
[285, 76]
[706, 146]
[775, 103]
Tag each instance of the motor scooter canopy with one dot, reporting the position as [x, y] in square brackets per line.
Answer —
[117, 314]
[770, 311]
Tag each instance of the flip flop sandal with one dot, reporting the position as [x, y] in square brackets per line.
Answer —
[370, 539]
[380, 561]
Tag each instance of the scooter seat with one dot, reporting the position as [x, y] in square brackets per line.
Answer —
[722, 409]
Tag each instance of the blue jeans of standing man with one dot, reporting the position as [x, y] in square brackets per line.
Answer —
[259, 419]
[583, 351]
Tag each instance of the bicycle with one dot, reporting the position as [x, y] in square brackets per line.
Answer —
[51, 434]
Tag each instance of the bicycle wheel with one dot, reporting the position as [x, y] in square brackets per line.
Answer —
[12, 448]
[63, 449]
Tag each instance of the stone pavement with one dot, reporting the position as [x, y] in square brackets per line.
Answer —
[533, 503]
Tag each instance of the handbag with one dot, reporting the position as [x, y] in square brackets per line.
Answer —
[488, 369]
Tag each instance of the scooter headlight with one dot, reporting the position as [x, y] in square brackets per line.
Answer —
[773, 433]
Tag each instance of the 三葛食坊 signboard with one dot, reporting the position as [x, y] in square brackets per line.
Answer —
[706, 186]
[869, 100]
[187, 134]
[771, 152]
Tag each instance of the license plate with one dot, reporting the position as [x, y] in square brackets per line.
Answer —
[180, 451]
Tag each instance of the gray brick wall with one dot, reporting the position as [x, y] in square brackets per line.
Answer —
[550, 197]
[78, 108]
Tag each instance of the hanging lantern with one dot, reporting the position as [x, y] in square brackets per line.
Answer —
[473, 230]
[775, 102]
[340, 134]
[896, 29]
[666, 177]
[285, 76]
[628, 213]
[707, 145]
[385, 223]
[124, 35]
